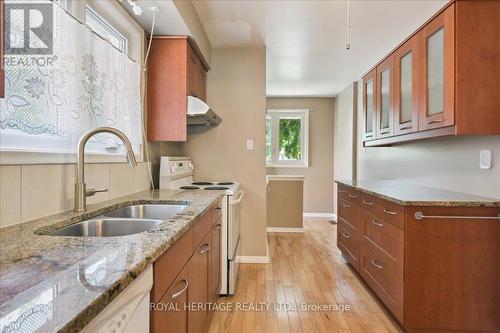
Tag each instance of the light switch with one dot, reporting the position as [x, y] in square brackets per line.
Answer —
[485, 159]
[249, 144]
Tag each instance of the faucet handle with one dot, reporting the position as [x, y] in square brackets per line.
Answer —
[91, 191]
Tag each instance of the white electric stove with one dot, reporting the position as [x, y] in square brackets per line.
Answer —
[177, 173]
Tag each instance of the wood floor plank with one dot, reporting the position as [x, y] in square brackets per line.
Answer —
[305, 269]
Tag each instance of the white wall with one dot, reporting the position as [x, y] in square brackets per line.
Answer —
[449, 163]
[345, 137]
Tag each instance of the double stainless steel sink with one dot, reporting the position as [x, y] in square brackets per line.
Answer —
[121, 222]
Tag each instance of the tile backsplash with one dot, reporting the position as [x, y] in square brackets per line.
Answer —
[31, 191]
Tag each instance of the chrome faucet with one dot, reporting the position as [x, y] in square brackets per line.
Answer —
[81, 192]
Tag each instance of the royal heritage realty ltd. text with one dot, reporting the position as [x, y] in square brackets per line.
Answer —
[250, 306]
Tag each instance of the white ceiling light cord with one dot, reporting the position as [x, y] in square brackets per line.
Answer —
[154, 10]
[348, 30]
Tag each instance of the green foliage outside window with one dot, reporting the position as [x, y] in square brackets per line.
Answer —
[289, 139]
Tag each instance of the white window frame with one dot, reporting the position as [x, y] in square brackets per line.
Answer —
[115, 15]
[275, 115]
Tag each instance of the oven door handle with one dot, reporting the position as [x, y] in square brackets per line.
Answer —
[237, 201]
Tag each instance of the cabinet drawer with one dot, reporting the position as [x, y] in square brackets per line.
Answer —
[216, 211]
[389, 238]
[168, 265]
[201, 228]
[348, 243]
[349, 212]
[374, 268]
[389, 211]
[348, 193]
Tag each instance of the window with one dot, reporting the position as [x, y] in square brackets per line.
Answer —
[287, 138]
[104, 29]
[84, 82]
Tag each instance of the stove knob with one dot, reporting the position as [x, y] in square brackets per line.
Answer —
[190, 165]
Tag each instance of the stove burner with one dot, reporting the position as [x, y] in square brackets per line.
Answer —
[216, 188]
[225, 183]
[203, 183]
[189, 187]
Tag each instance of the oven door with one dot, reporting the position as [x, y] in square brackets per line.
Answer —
[233, 225]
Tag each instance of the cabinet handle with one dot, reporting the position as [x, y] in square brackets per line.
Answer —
[186, 285]
[217, 227]
[368, 135]
[341, 191]
[207, 247]
[347, 206]
[218, 209]
[435, 121]
[353, 195]
[389, 212]
[384, 132]
[376, 265]
[368, 203]
[376, 223]
[346, 235]
[405, 128]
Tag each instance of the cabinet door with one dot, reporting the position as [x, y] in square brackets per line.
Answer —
[369, 84]
[406, 87]
[437, 72]
[171, 315]
[385, 100]
[198, 268]
[193, 68]
[215, 261]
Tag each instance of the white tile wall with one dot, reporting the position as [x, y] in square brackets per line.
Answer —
[32, 191]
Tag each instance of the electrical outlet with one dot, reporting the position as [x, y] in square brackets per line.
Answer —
[249, 144]
[485, 157]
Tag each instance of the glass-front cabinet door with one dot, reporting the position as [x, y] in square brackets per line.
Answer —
[369, 103]
[385, 98]
[406, 87]
[437, 72]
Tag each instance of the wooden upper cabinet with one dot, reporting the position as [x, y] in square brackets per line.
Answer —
[369, 105]
[437, 71]
[385, 100]
[406, 79]
[444, 79]
[174, 72]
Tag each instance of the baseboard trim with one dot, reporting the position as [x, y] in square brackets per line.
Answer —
[279, 229]
[321, 215]
[253, 259]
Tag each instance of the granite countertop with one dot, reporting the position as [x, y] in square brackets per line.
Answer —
[40, 276]
[407, 194]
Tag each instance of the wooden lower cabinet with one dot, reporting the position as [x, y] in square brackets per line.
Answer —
[435, 275]
[185, 306]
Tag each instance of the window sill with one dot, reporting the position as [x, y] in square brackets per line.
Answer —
[27, 157]
[286, 165]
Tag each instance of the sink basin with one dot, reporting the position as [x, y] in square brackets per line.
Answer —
[160, 212]
[107, 227]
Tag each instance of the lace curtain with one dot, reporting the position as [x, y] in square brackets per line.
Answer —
[50, 101]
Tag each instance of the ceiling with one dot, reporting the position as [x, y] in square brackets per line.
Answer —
[305, 40]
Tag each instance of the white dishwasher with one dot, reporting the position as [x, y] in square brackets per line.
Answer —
[129, 312]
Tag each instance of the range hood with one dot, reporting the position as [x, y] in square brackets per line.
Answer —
[199, 113]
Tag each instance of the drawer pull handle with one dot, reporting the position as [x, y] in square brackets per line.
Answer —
[376, 265]
[217, 227]
[341, 191]
[186, 285]
[389, 212]
[405, 128]
[206, 248]
[368, 203]
[384, 132]
[353, 195]
[376, 223]
[218, 209]
[346, 235]
[435, 121]
[347, 206]
[420, 216]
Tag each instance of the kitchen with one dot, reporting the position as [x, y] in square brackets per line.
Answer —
[255, 166]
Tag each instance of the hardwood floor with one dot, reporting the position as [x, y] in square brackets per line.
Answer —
[305, 269]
